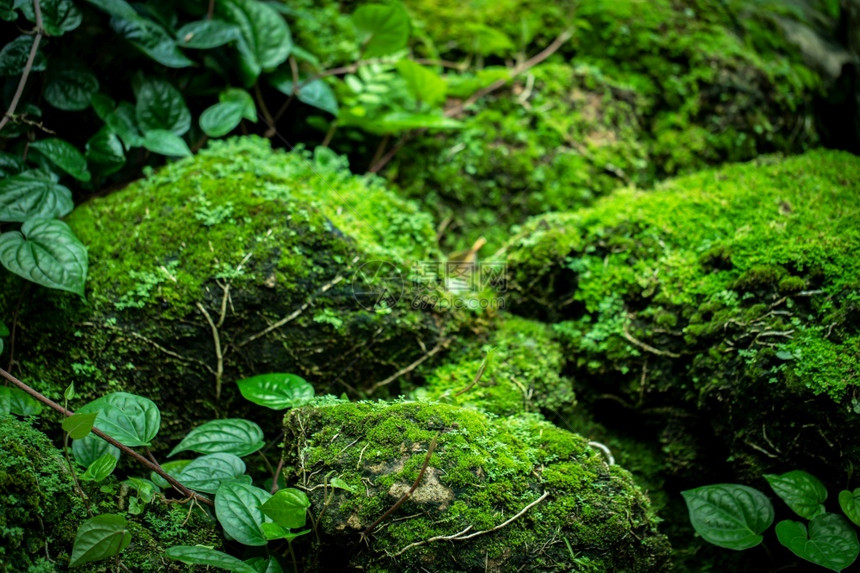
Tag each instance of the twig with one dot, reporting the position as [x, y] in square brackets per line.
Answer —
[433, 351]
[461, 535]
[478, 375]
[366, 533]
[326, 287]
[647, 347]
[262, 103]
[219, 356]
[125, 449]
[37, 8]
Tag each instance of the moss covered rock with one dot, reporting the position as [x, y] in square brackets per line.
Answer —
[40, 511]
[643, 90]
[507, 493]
[236, 262]
[522, 373]
[723, 304]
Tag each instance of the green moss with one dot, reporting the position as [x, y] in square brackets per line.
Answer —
[482, 472]
[754, 265]
[270, 247]
[522, 372]
[40, 511]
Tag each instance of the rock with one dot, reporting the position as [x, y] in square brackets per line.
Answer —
[719, 310]
[275, 260]
[507, 493]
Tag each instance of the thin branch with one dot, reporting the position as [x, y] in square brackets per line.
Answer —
[28, 67]
[219, 356]
[366, 533]
[646, 347]
[461, 535]
[433, 351]
[125, 449]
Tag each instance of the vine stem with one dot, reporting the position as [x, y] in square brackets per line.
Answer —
[125, 449]
[37, 8]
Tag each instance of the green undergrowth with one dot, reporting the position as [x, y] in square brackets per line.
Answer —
[732, 292]
[483, 471]
[40, 511]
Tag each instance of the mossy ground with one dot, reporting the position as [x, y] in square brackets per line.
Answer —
[266, 247]
[482, 472]
[40, 511]
[642, 91]
[730, 292]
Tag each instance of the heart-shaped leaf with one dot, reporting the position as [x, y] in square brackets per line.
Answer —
[198, 555]
[830, 542]
[152, 40]
[382, 28]
[424, 84]
[16, 401]
[206, 34]
[207, 472]
[850, 504]
[14, 56]
[276, 391]
[90, 448]
[802, 492]
[70, 87]
[237, 506]
[264, 42]
[100, 468]
[315, 93]
[79, 425]
[58, 16]
[230, 436]
[33, 194]
[64, 155]
[166, 143]
[242, 97]
[729, 515]
[119, 8]
[173, 469]
[46, 252]
[129, 419]
[100, 537]
[265, 564]
[161, 106]
[221, 118]
[288, 508]
[105, 152]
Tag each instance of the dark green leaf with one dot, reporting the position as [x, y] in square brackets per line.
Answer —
[265, 41]
[79, 425]
[198, 555]
[382, 28]
[13, 57]
[119, 8]
[265, 564]
[105, 152]
[103, 105]
[64, 155]
[129, 419]
[33, 194]
[802, 492]
[729, 515]
[98, 538]
[46, 252]
[315, 93]
[11, 164]
[850, 504]
[166, 143]
[123, 122]
[58, 16]
[237, 506]
[145, 488]
[831, 542]
[173, 469]
[7, 10]
[288, 508]
[100, 469]
[424, 84]
[91, 448]
[276, 391]
[161, 106]
[230, 436]
[22, 404]
[152, 40]
[221, 118]
[207, 472]
[70, 88]
[206, 34]
[243, 98]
